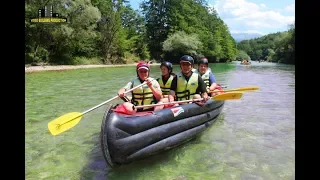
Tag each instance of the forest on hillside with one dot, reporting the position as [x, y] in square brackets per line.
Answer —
[276, 47]
[111, 32]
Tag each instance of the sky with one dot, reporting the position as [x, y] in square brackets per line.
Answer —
[251, 16]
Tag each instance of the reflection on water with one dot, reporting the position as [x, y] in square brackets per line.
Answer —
[254, 138]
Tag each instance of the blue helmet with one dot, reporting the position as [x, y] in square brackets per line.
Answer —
[168, 65]
[187, 58]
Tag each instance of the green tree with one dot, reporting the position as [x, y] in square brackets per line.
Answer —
[181, 43]
[242, 55]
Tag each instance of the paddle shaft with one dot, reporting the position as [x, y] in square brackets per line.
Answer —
[220, 97]
[95, 107]
[238, 89]
[174, 102]
[69, 120]
[225, 90]
[112, 98]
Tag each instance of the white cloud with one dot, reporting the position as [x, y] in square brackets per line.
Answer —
[247, 16]
[247, 31]
[290, 8]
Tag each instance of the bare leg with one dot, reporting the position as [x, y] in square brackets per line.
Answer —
[196, 96]
[165, 99]
[162, 100]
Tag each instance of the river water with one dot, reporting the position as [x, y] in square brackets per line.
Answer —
[254, 138]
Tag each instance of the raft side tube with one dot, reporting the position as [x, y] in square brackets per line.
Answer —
[167, 144]
[153, 135]
[123, 147]
[136, 124]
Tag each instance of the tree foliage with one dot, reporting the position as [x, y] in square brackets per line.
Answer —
[111, 31]
[276, 47]
[181, 43]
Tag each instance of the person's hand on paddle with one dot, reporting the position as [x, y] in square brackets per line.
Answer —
[149, 82]
[205, 99]
[121, 92]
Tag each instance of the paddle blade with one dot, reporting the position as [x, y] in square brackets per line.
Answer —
[64, 122]
[251, 88]
[228, 96]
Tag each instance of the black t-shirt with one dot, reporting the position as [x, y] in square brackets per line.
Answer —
[201, 85]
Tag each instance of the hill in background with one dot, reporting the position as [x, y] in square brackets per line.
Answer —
[245, 36]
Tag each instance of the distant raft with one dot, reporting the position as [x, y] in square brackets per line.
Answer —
[245, 62]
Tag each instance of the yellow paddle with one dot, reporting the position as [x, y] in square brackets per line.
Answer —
[249, 88]
[228, 96]
[220, 97]
[69, 120]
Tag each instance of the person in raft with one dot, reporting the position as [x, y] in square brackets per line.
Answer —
[208, 77]
[166, 78]
[145, 95]
[165, 83]
[186, 84]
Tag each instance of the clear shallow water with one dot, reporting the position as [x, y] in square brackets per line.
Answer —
[254, 138]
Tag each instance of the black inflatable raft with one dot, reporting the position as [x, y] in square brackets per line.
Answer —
[127, 138]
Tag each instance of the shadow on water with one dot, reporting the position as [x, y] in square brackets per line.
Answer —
[151, 165]
[98, 169]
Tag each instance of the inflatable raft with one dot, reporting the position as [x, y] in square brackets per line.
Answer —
[127, 138]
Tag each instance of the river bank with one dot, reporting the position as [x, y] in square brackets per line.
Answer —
[68, 67]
